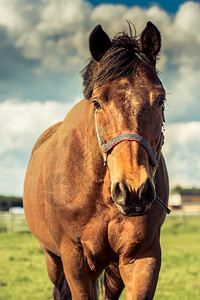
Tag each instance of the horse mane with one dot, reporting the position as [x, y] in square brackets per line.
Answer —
[121, 60]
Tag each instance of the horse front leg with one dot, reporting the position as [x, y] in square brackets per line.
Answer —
[113, 284]
[54, 265]
[81, 279]
[140, 275]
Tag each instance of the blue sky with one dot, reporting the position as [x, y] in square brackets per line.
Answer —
[169, 5]
[44, 46]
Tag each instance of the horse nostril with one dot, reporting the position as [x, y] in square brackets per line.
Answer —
[147, 191]
[119, 193]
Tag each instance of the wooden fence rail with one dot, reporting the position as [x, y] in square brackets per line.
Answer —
[12, 222]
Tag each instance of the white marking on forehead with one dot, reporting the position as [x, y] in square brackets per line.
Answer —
[129, 92]
[129, 95]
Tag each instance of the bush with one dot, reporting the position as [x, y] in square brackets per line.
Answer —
[9, 201]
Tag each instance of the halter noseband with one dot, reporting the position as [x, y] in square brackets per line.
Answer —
[105, 148]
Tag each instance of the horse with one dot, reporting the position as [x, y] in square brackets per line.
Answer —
[93, 180]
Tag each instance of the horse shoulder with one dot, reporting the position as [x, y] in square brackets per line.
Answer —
[46, 135]
[33, 190]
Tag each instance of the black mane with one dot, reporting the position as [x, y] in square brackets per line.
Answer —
[119, 61]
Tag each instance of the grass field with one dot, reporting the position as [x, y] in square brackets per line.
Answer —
[23, 273]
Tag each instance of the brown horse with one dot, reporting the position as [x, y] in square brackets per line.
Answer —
[92, 181]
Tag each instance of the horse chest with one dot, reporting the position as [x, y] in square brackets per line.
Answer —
[96, 247]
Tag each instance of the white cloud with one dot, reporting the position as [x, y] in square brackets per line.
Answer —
[184, 95]
[187, 22]
[9, 18]
[19, 16]
[110, 16]
[12, 178]
[182, 153]
[69, 17]
[59, 29]
[59, 34]
[21, 124]
[60, 40]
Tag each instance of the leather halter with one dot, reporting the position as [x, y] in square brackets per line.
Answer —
[105, 148]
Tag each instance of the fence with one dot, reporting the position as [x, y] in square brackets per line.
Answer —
[10, 222]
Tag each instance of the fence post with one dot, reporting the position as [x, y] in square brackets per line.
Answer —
[9, 222]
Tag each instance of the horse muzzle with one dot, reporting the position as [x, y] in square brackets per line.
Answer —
[131, 202]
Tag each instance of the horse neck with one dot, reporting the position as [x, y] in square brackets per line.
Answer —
[81, 148]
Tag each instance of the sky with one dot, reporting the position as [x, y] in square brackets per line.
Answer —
[43, 48]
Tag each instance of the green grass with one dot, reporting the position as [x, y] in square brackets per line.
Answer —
[180, 272]
[23, 274]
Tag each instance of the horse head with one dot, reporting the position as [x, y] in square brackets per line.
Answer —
[128, 98]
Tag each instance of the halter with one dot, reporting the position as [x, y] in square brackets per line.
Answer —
[107, 147]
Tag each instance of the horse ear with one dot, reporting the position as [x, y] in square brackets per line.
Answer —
[150, 40]
[99, 43]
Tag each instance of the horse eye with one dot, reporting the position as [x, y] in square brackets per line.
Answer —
[161, 100]
[96, 104]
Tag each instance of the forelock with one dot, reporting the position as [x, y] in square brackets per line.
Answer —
[121, 60]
